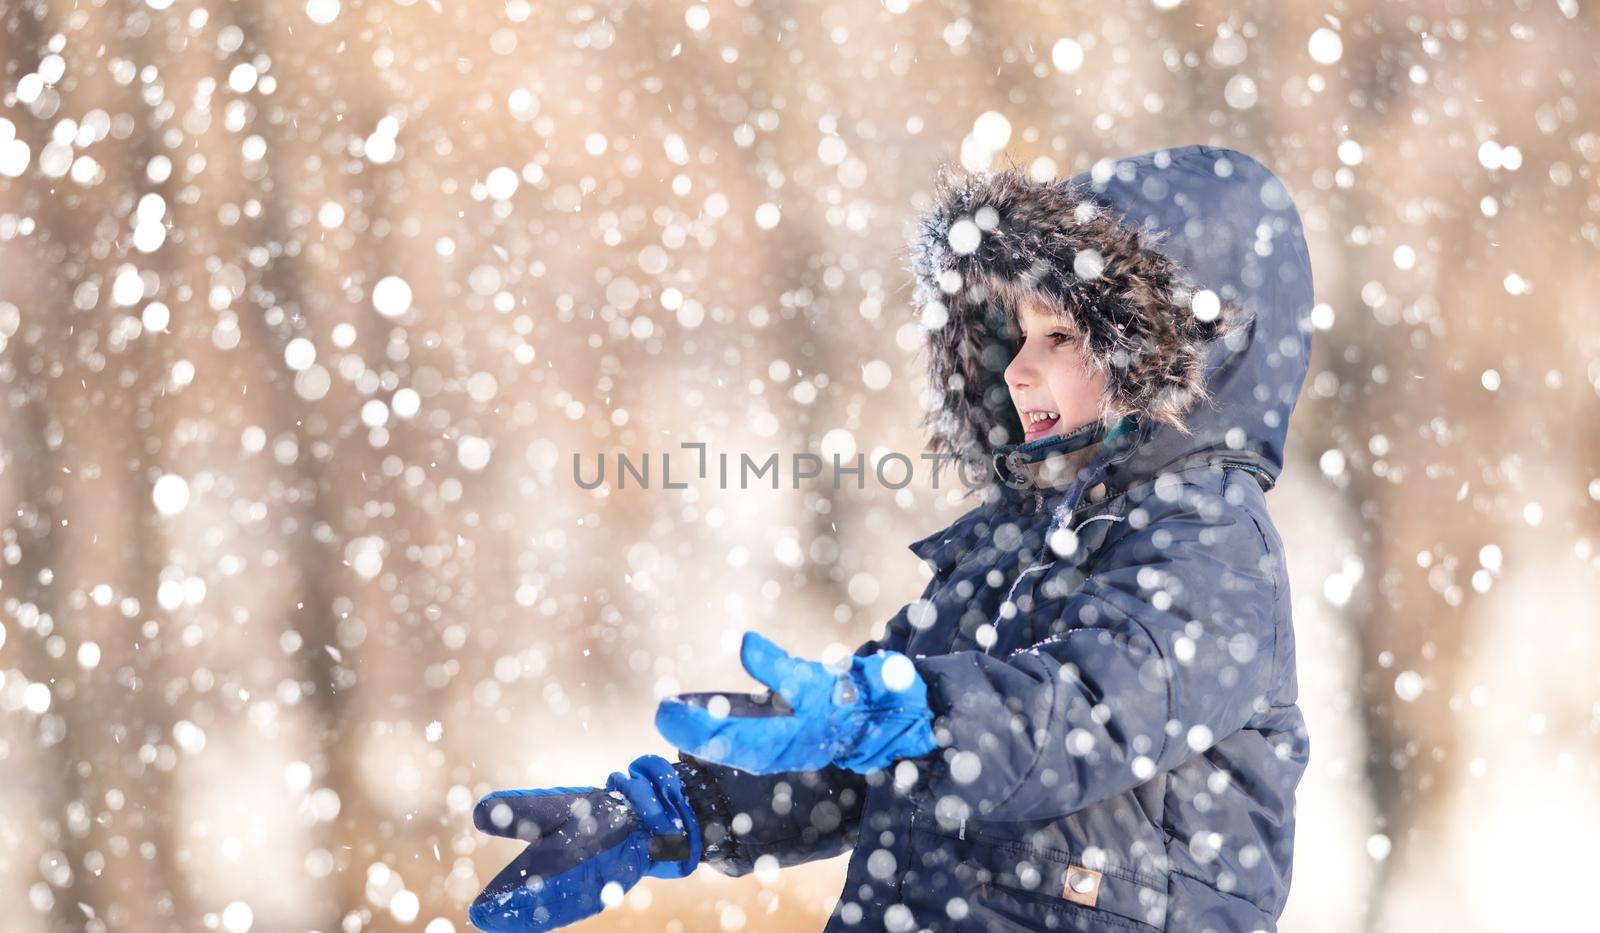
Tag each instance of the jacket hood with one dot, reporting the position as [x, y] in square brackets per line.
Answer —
[1186, 269]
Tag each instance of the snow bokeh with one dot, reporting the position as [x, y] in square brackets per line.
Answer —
[305, 310]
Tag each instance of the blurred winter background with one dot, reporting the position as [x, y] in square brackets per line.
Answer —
[306, 308]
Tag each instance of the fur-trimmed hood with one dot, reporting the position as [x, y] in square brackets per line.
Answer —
[1169, 262]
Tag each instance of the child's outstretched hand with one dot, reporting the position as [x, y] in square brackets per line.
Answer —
[586, 846]
[863, 718]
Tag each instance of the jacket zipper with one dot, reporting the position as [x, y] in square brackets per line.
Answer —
[1256, 473]
[1074, 496]
[1071, 512]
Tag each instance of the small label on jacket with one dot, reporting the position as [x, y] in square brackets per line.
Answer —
[1082, 885]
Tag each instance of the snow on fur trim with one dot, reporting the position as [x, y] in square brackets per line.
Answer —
[992, 239]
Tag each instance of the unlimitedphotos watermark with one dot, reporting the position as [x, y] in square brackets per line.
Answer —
[894, 470]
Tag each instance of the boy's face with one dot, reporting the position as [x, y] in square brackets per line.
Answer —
[1053, 386]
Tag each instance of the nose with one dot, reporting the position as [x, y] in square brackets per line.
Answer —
[1021, 373]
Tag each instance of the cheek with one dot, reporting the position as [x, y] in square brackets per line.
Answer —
[1094, 383]
[1076, 385]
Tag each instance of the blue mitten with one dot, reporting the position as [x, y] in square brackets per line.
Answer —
[582, 840]
[869, 715]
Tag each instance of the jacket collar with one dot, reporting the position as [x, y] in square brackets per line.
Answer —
[1010, 460]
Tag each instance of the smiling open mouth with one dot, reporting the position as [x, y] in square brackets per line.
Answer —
[1039, 424]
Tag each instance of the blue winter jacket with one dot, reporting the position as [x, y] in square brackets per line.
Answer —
[1112, 664]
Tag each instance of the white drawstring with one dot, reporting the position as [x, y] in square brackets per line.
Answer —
[1040, 565]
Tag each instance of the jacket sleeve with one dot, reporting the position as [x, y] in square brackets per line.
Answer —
[796, 816]
[1166, 647]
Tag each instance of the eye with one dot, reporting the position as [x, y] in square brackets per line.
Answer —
[1061, 337]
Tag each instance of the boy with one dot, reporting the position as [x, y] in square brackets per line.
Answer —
[1088, 719]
